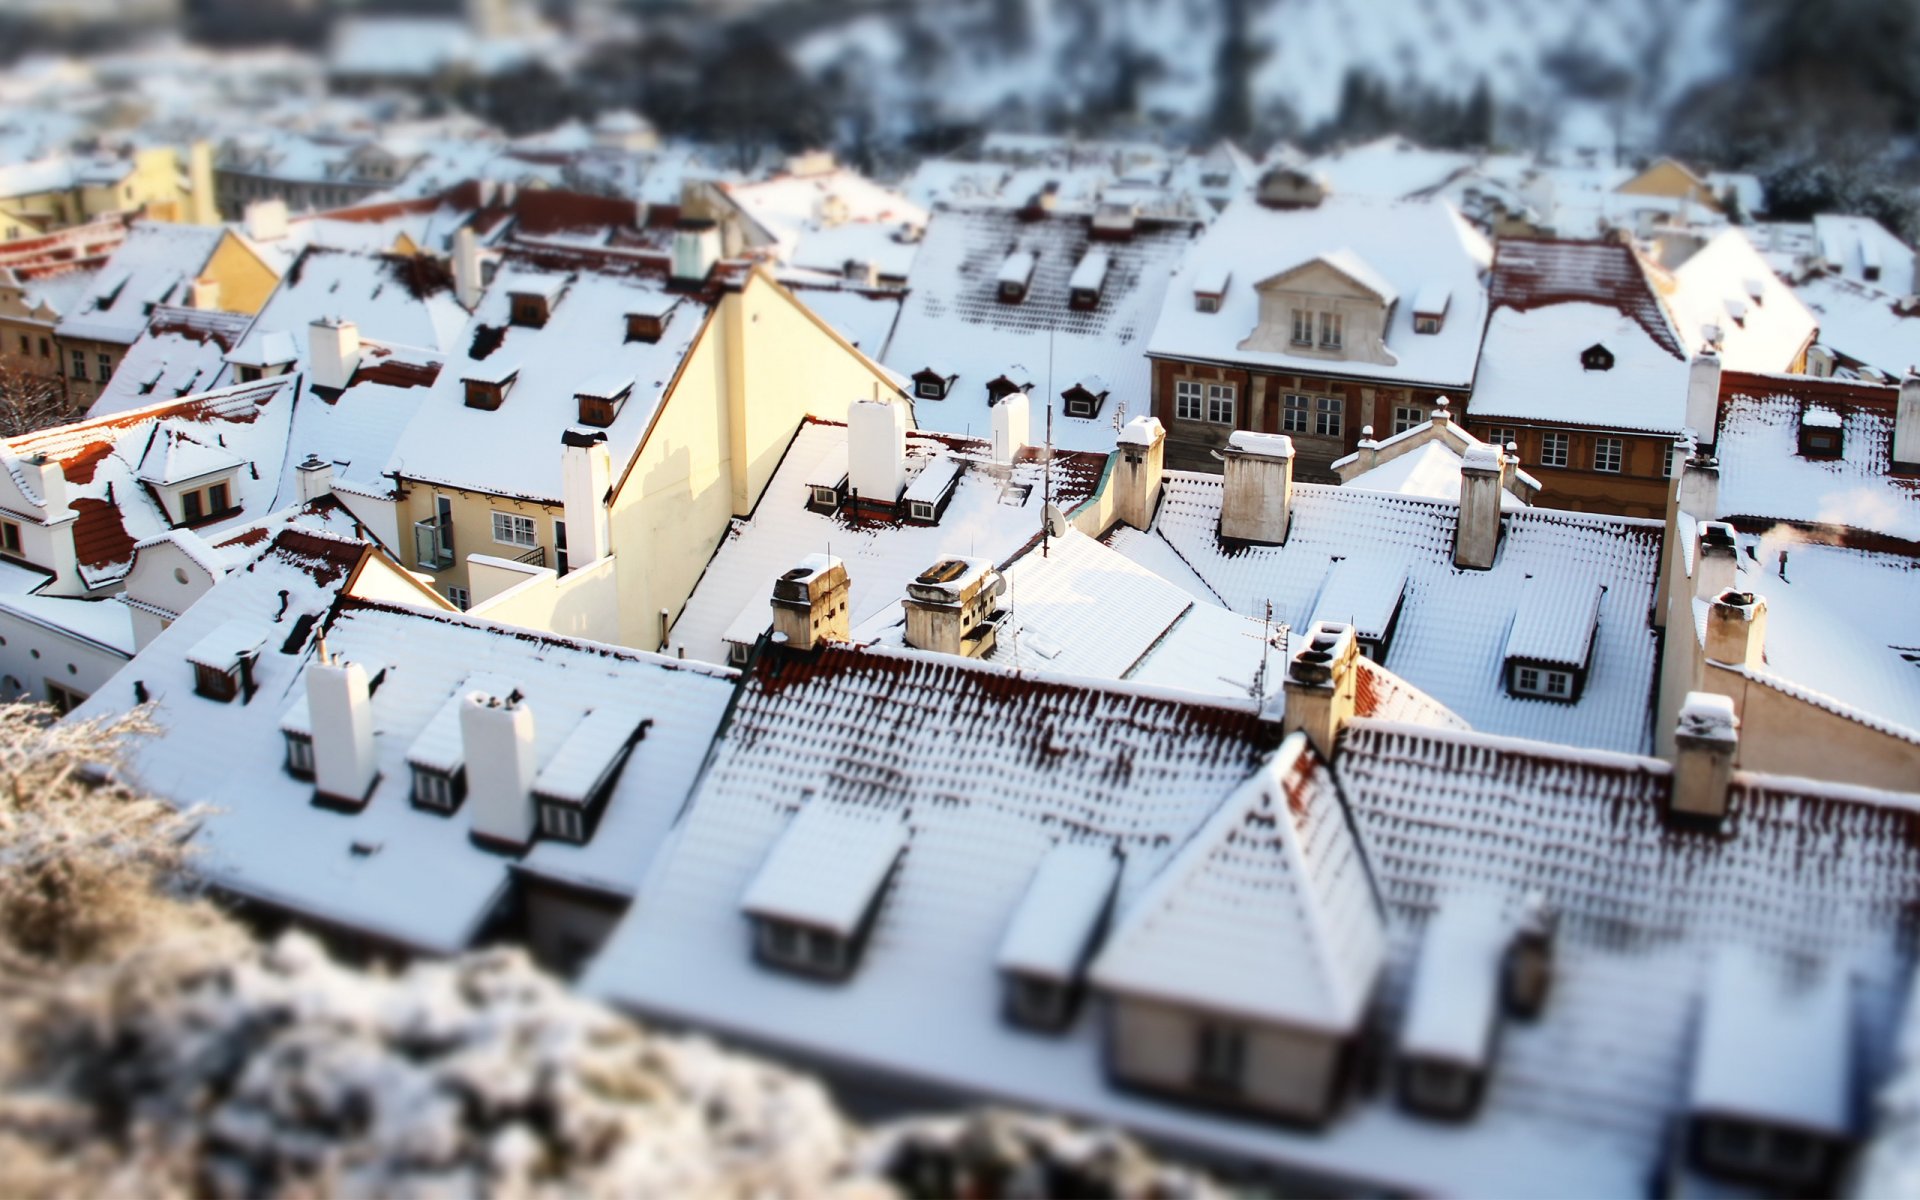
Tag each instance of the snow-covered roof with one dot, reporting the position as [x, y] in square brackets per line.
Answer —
[594, 748]
[513, 450]
[227, 643]
[1712, 300]
[987, 517]
[1531, 370]
[1388, 168]
[264, 347]
[176, 456]
[1774, 1050]
[1453, 624]
[952, 316]
[1453, 1000]
[1054, 927]
[1265, 913]
[156, 265]
[1861, 250]
[827, 868]
[1394, 248]
[1362, 593]
[181, 352]
[1554, 619]
[397, 872]
[1864, 322]
[1763, 475]
[1530, 273]
[865, 319]
[1431, 470]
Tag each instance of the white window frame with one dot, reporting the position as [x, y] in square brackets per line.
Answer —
[1543, 681]
[64, 699]
[1303, 327]
[1609, 455]
[459, 597]
[1333, 331]
[514, 524]
[1296, 413]
[1223, 399]
[822, 494]
[433, 789]
[1553, 449]
[1426, 324]
[1206, 302]
[560, 821]
[1189, 399]
[920, 510]
[1329, 416]
[930, 390]
[1408, 416]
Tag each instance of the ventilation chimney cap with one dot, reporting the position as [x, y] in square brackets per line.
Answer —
[1260, 445]
[1708, 716]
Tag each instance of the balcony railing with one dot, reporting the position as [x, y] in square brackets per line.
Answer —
[534, 557]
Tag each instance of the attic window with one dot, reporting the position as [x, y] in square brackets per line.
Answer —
[529, 309]
[1000, 388]
[1430, 308]
[299, 754]
[645, 327]
[438, 791]
[1089, 278]
[1596, 358]
[223, 661]
[1084, 399]
[824, 498]
[487, 394]
[1210, 290]
[600, 400]
[1206, 302]
[1822, 433]
[572, 790]
[817, 893]
[1551, 640]
[930, 383]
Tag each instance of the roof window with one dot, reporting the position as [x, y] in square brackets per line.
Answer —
[224, 661]
[1087, 281]
[1822, 433]
[818, 892]
[1596, 358]
[487, 390]
[601, 398]
[1014, 277]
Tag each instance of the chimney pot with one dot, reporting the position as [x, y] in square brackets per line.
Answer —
[1142, 449]
[1705, 743]
[951, 609]
[696, 249]
[1703, 396]
[586, 471]
[333, 352]
[1715, 560]
[1012, 418]
[810, 603]
[1737, 629]
[877, 452]
[1321, 685]
[1483, 485]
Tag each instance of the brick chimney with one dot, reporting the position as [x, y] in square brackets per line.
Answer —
[1715, 556]
[1737, 629]
[810, 603]
[1704, 745]
[333, 352]
[496, 736]
[1257, 503]
[1483, 482]
[950, 607]
[1906, 419]
[1703, 396]
[1321, 683]
[877, 451]
[1012, 420]
[585, 472]
[340, 710]
[1142, 447]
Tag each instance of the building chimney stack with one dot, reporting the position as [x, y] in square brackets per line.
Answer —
[1704, 745]
[1700, 487]
[810, 603]
[204, 294]
[314, 479]
[266, 220]
[1136, 476]
[48, 479]
[340, 709]
[1483, 484]
[1322, 679]
[1906, 419]
[496, 737]
[950, 607]
[877, 452]
[586, 471]
[1011, 422]
[1715, 557]
[467, 284]
[1703, 396]
[1257, 499]
[696, 249]
[333, 352]
[1737, 629]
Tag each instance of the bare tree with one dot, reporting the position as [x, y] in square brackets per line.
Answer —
[30, 401]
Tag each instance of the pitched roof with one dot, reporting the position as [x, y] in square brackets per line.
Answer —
[1530, 273]
[156, 265]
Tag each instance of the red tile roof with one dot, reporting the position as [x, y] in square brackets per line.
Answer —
[1532, 273]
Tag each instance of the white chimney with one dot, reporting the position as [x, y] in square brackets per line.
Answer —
[1737, 629]
[950, 607]
[496, 736]
[810, 603]
[333, 352]
[1136, 476]
[1703, 749]
[1011, 422]
[266, 220]
[1906, 418]
[1700, 487]
[1483, 482]
[696, 248]
[1257, 500]
[876, 451]
[48, 479]
[341, 711]
[586, 471]
[1703, 396]
[1321, 685]
[467, 284]
[1715, 556]
[314, 479]
[204, 294]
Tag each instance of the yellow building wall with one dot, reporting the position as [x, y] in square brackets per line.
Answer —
[1668, 178]
[245, 281]
[763, 364]
[472, 527]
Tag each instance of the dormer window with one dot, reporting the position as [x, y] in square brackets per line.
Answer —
[572, 791]
[1014, 277]
[825, 497]
[1087, 282]
[1085, 399]
[1551, 640]
[601, 398]
[1209, 290]
[528, 309]
[817, 894]
[299, 754]
[645, 327]
[1430, 308]
[1596, 358]
[1001, 387]
[933, 383]
[488, 391]
[1060, 920]
[438, 791]
[223, 661]
[1822, 433]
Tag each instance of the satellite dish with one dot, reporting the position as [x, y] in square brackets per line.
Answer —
[1056, 521]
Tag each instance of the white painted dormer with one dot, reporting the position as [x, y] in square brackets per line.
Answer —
[1333, 306]
[193, 473]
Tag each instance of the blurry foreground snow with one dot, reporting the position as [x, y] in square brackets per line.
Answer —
[148, 1046]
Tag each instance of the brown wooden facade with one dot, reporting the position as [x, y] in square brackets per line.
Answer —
[1638, 489]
